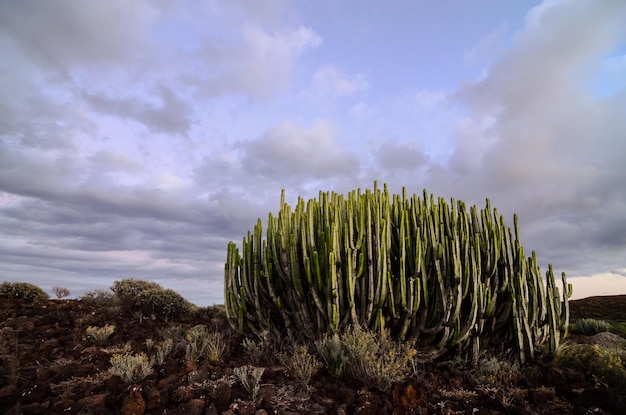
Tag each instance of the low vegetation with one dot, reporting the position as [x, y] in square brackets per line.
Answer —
[590, 326]
[204, 360]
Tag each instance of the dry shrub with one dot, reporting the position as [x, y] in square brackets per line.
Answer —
[163, 349]
[205, 343]
[374, 359]
[300, 364]
[250, 377]
[132, 368]
[61, 292]
[100, 334]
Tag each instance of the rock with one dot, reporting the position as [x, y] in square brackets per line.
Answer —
[153, 399]
[37, 393]
[134, 403]
[408, 397]
[198, 376]
[541, 395]
[211, 410]
[189, 366]
[609, 399]
[94, 404]
[221, 396]
[190, 408]
[7, 391]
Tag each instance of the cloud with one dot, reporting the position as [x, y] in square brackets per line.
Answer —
[291, 152]
[540, 141]
[330, 82]
[393, 155]
[60, 35]
[168, 113]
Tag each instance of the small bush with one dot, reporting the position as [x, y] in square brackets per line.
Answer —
[334, 354]
[149, 298]
[131, 368]
[99, 298]
[100, 334]
[205, 343]
[163, 349]
[300, 364]
[61, 292]
[590, 326]
[164, 303]
[214, 314]
[493, 371]
[375, 360]
[129, 289]
[250, 377]
[23, 291]
[255, 350]
[603, 365]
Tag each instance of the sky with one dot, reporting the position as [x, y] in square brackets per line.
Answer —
[138, 138]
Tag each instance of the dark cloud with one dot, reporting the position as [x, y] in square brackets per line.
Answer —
[165, 112]
[61, 34]
[400, 156]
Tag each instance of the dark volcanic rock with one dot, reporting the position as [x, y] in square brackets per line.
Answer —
[49, 366]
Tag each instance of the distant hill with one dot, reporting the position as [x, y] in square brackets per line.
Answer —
[606, 307]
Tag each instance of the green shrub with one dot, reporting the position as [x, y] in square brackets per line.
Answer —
[150, 298]
[590, 326]
[619, 329]
[493, 371]
[165, 303]
[129, 289]
[23, 291]
[603, 365]
[334, 354]
[131, 368]
[214, 314]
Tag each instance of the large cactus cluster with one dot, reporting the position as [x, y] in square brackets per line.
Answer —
[424, 269]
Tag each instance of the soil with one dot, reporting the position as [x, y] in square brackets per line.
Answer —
[48, 365]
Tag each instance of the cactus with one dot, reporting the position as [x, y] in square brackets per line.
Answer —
[424, 269]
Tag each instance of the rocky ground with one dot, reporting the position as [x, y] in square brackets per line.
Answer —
[49, 365]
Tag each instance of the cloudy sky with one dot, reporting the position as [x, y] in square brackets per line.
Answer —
[138, 138]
